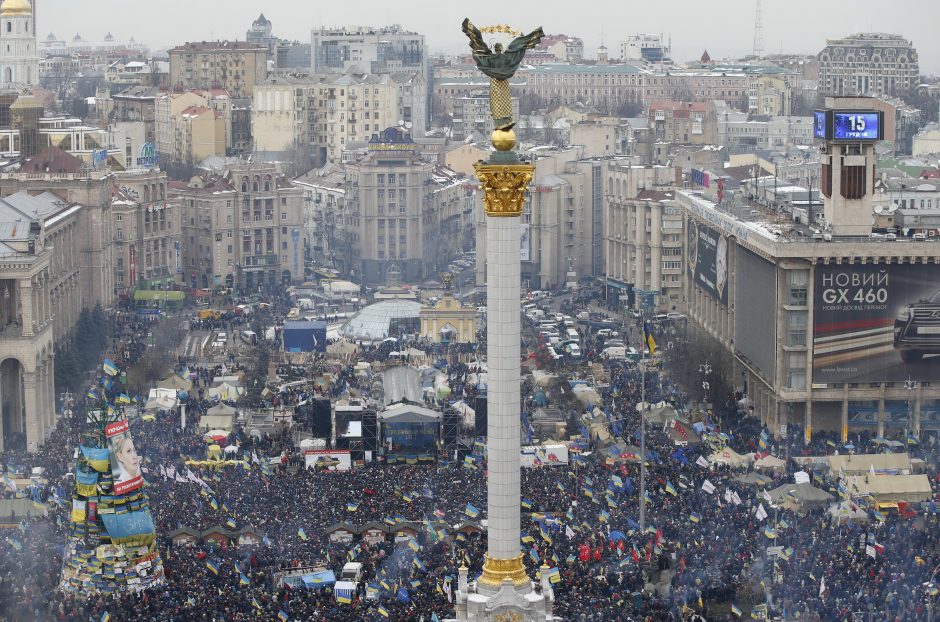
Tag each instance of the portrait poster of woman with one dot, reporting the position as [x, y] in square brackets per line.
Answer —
[125, 463]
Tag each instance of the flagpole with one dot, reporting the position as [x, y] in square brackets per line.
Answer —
[643, 433]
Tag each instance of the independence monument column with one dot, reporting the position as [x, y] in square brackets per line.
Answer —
[504, 591]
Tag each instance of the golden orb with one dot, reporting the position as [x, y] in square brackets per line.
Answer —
[503, 140]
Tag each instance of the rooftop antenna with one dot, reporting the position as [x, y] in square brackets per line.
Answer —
[758, 31]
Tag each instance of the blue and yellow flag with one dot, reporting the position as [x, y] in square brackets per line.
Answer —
[352, 507]
[648, 338]
[671, 489]
[735, 610]
[109, 367]
[302, 534]
[471, 511]
[283, 616]
[213, 567]
[383, 612]
[243, 580]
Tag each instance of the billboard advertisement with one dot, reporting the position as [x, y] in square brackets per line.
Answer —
[876, 323]
[125, 463]
[335, 460]
[708, 260]
[755, 337]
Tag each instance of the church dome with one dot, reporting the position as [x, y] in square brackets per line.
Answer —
[11, 8]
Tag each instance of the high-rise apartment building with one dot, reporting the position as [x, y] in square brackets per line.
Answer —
[868, 63]
[236, 66]
[365, 50]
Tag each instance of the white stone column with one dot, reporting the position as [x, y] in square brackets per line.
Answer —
[503, 309]
[31, 404]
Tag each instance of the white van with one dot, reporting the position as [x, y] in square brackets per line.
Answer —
[572, 334]
[351, 572]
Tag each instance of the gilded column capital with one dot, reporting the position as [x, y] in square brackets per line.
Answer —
[497, 570]
[504, 187]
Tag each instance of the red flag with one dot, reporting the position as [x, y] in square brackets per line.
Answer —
[635, 554]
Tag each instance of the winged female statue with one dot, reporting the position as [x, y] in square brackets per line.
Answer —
[500, 65]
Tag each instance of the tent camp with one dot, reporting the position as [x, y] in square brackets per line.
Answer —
[799, 496]
[860, 464]
[660, 413]
[176, 383]
[730, 457]
[885, 488]
[847, 510]
[770, 463]
[752, 479]
[226, 391]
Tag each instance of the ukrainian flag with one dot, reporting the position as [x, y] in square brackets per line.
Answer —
[352, 507]
[301, 534]
[735, 610]
[527, 504]
[105, 617]
[671, 489]
[346, 600]
[243, 580]
[648, 338]
[214, 568]
[383, 612]
[695, 517]
[471, 511]
[413, 545]
[255, 603]
[123, 398]
[283, 616]
[109, 367]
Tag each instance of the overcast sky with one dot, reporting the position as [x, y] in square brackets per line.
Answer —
[725, 27]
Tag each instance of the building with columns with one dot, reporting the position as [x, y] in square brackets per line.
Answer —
[39, 303]
[19, 58]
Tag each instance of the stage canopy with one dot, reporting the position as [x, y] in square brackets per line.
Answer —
[407, 413]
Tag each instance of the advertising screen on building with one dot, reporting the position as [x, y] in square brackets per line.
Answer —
[876, 323]
[819, 124]
[755, 304]
[856, 126]
[125, 463]
[708, 259]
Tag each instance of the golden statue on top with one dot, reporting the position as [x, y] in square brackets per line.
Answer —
[500, 65]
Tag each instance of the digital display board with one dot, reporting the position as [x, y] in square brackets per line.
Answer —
[876, 323]
[819, 124]
[856, 125]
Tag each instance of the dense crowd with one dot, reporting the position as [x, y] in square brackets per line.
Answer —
[702, 551]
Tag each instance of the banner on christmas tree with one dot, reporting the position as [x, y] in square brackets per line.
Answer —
[125, 463]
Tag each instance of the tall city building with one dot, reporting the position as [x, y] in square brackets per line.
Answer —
[19, 59]
[868, 63]
[365, 50]
[242, 229]
[236, 66]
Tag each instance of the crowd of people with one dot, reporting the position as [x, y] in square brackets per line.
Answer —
[704, 549]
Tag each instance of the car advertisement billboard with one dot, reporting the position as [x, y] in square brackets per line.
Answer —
[708, 259]
[876, 323]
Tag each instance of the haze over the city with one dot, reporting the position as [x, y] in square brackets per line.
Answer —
[725, 29]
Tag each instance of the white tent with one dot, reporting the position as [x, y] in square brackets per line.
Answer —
[226, 391]
[847, 510]
[221, 409]
[770, 463]
[730, 457]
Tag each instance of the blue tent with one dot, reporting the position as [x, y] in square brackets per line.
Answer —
[319, 579]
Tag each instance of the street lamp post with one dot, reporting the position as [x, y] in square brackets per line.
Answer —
[705, 369]
[910, 385]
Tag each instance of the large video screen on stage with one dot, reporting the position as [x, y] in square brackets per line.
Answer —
[708, 259]
[876, 323]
